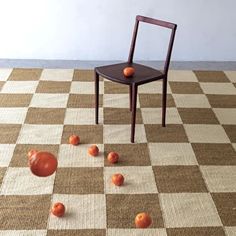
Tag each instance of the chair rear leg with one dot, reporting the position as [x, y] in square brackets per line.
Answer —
[130, 97]
[134, 102]
[164, 97]
[96, 96]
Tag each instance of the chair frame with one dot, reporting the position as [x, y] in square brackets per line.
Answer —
[133, 88]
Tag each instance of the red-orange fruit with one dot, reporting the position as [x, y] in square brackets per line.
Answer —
[128, 71]
[113, 157]
[43, 164]
[93, 150]
[143, 220]
[74, 139]
[118, 179]
[58, 209]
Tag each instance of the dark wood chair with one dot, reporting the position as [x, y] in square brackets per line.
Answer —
[143, 74]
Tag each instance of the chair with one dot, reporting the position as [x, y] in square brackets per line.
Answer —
[143, 74]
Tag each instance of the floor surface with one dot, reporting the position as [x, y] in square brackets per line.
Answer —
[183, 175]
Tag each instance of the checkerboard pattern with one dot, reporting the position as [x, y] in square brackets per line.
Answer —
[183, 175]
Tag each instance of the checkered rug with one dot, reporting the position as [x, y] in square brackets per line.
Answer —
[183, 175]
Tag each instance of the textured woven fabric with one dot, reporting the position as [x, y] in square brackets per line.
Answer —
[183, 175]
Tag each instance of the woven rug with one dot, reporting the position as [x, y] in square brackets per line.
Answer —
[183, 175]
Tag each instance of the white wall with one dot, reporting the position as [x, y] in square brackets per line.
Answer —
[102, 29]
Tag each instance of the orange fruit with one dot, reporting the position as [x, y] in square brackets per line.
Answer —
[74, 139]
[43, 164]
[118, 179]
[128, 71]
[143, 220]
[93, 150]
[58, 209]
[113, 157]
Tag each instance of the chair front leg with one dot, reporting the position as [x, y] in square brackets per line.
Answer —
[134, 102]
[130, 97]
[164, 97]
[96, 96]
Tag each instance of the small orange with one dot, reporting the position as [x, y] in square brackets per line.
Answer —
[43, 164]
[74, 139]
[58, 209]
[93, 150]
[113, 157]
[118, 179]
[128, 71]
[143, 220]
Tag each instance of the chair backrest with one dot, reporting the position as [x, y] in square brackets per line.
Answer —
[160, 23]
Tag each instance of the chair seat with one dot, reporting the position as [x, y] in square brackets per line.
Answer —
[143, 74]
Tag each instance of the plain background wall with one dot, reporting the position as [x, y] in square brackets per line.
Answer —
[102, 29]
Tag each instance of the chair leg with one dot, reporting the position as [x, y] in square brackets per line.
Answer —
[96, 96]
[130, 97]
[164, 91]
[134, 102]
